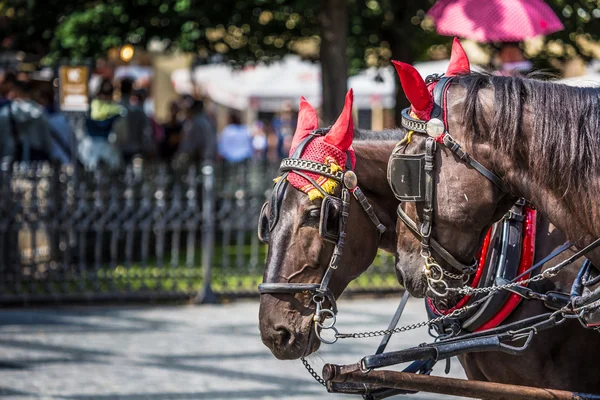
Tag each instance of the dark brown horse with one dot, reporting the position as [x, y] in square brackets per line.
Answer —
[533, 139]
[538, 140]
[299, 254]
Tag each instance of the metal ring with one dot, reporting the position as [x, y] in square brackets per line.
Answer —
[318, 296]
[433, 266]
[332, 319]
[446, 287]
[327, 341]
[362, 367]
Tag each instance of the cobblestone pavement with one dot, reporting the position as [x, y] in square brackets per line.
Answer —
[179, 353]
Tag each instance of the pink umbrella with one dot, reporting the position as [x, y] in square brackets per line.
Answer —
[494, 20]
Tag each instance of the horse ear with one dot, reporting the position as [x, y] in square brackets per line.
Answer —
[414, 87]
[459, 62]
[307, 122]
[342, 132]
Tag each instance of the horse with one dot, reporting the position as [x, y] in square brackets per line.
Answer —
[300, 253]
[487, 141]
[301, 225]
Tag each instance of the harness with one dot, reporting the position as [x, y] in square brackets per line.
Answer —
[332, 224]
[411, 179]
[502, 262]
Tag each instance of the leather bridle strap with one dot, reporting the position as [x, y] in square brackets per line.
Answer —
[453, 146]
[436, 247]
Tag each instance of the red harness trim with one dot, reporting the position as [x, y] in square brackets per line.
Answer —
[526, 261]
[480, 268]
[527, 255]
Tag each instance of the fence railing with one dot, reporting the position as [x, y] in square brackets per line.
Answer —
[147, 232]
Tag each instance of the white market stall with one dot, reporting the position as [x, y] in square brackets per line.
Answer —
[265, 88]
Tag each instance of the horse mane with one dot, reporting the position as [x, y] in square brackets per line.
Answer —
[386, 134]
[562, 149]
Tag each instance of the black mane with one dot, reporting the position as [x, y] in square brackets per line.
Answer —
[562, 151]
[387, 134]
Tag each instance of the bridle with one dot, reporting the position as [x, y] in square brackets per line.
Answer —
[332, 230]
[411, 178]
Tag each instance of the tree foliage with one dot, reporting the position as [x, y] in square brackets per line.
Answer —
[260, 30]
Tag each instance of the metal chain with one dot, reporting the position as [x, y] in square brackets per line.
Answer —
[383, 332]
[549, 273]
[312, 372]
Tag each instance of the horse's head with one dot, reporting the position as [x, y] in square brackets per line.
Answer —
[451, 201]
[319, 238]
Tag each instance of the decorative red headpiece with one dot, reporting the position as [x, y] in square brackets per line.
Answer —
[330, 149]
[459, 62]
[414, 86]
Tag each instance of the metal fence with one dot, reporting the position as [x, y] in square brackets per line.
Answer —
[147, 232]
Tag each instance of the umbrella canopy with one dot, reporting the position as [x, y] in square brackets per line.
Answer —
[494, 20]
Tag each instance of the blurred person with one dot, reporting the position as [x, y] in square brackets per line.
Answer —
[272, 143]
[6, 80]
[510, 59]
[97, 145]
[134, 131]
[259, 140]
[235, 141]
[172, 129]
[103, 111]
[284, 125]
[60, 126]
[26, 131]
[141, 96]
[198, 135]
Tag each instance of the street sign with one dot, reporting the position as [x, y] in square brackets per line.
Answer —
[73, 88]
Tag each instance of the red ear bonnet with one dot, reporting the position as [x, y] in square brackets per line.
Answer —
[307, 122]
[341, 133]
[415, 89]
[459, 62]
[332, 149]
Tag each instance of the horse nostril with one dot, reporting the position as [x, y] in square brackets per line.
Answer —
[283, 337]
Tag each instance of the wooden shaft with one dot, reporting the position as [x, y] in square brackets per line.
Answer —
[448, 386]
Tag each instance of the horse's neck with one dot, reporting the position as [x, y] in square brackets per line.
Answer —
[371, 171]
[580, 224]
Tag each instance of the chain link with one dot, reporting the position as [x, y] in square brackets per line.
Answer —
[312, 372]
[406, 328]
[467, 290]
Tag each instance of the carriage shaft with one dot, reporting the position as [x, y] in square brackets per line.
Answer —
[449, 386]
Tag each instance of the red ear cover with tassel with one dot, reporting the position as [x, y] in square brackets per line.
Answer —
[334, 147]
[307, 122]
[459, 62]
[415, 89]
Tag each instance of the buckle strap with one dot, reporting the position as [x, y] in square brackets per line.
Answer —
[364, 203]
[451, 144]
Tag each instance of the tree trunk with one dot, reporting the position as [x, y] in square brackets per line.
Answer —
[401, 52]
[334, 60]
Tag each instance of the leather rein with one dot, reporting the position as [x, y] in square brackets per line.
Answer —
[349, 183]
